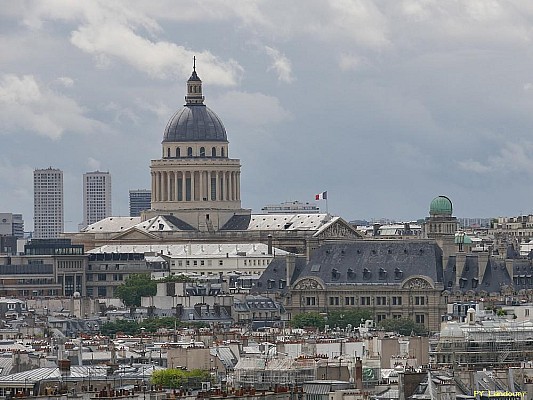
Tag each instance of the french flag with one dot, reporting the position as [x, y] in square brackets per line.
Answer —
[321, 196]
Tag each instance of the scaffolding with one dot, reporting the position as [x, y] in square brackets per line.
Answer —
[490, 344]
[263, 372]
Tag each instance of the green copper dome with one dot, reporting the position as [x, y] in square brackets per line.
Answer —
[440, 205]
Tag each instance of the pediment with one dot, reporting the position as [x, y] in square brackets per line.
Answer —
[338, 229]
[134, 234]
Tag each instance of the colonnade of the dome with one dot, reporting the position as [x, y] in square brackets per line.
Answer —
[193, 185]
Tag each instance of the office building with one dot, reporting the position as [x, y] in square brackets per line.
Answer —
[140, 200]
[48, 203]
[96, 196]
[11, 225]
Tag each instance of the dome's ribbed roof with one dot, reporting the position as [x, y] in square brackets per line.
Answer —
[195, 123]
[440, 205]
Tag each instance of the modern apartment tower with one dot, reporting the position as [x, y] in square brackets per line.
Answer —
[48, 203]
[139, 200]
[96, 196]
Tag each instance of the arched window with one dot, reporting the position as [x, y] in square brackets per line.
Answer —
[189, 152]
[178, 155]
[222, 152]
[214, 152]
[168, 152]
[202, 151]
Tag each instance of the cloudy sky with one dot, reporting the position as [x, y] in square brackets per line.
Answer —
[384, 104]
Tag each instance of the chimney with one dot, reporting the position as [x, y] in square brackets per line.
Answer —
[482, 264]
[269, 244]
[460, 260]
[358, 373]
[290, 265]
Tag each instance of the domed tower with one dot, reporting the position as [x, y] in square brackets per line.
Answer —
[195, 180]
[441, 225]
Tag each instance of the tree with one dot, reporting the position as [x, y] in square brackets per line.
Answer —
[403, 326]
[176, 278]
[175, 378]
[308, 320]
[353, 317]
[120, 326]
[135, 287]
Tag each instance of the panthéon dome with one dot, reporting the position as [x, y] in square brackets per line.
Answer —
[195, 122]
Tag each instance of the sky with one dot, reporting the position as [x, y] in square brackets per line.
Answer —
[383, 104]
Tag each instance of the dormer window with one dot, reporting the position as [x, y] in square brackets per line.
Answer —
[398, 273]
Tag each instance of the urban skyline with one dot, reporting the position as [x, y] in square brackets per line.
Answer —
[364, 106]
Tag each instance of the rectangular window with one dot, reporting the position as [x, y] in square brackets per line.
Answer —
[365, 300]
[381, 317]
[381, 300]
[420, 300]
[180, 189]
[188, 189]
[221, 262]
[420, 318]
[213, 188]
[102, 277]
[333, 301]
[396, 300]
[310, 301]
[349, 301]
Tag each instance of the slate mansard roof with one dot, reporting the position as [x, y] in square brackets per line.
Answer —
[369, 262]
[375, 262]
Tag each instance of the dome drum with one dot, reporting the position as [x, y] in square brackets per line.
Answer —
[195, 150]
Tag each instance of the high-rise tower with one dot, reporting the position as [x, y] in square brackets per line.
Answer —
[140, 200]
[48, 203]
[96, 196]
[195, 180]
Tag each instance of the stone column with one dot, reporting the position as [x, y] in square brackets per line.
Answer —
[169, 186]
[156, 193]
[175, 185]
[201, 182]
[217, 186]
[192, 185]
[208, 185]
[152, 174]
[230, 186]
[183, 185]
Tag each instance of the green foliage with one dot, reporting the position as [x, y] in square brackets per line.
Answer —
[176, 378]
[120, 326]
[353, 317]
[150, 325]
[176, 278]
[308, 320]
[403, 326]
[135, 287]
